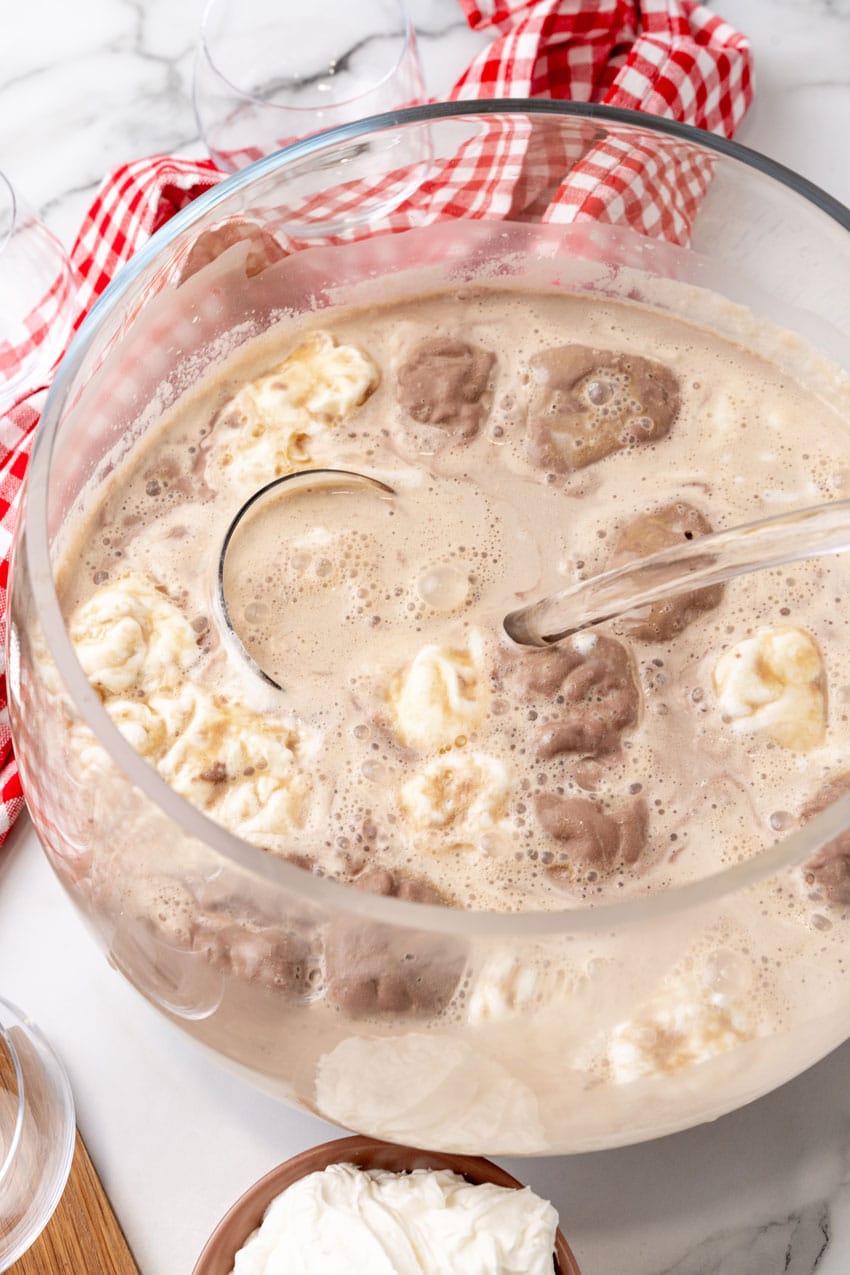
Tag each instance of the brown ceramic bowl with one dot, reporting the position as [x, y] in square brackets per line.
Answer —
[367, 1153]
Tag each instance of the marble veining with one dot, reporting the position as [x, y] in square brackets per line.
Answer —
[795, 1244]
[83, 87]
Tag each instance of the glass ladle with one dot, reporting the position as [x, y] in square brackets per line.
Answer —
[693, 564]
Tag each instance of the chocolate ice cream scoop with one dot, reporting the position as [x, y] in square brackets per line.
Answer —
[585, 690]
[373, 970]
[264, 954]
[688, 565]
[445, 382]
[673, 524]
[587, 403]
[591, 837]
[263, 249]
[830, 867]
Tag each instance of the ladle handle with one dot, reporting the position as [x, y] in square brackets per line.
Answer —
[696, 564]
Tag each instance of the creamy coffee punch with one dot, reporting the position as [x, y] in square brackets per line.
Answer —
[364, 716]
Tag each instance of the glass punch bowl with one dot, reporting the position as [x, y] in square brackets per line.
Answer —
[229, 941]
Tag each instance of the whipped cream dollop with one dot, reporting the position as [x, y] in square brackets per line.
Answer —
[346, 1221]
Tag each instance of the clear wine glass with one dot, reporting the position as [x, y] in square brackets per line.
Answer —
[37, 1133]
[267, 73]
[37, 290]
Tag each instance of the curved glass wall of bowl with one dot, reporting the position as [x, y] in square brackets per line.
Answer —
[391, 179]
[36, 297]
[267, 74]
[130, 839]
[802, 288]
[36, 1133]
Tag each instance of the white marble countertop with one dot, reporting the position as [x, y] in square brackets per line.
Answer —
[83, 87]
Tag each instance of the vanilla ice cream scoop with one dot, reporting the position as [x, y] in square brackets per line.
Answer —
[674, 1034]
[241, 766]
[458, 796]
[345, 1220]
[129, 634]
[510, 986]
[282, 421]
[439, 696]
[774, 682]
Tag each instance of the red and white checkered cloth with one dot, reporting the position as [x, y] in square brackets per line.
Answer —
[35, 326]
[671, 58]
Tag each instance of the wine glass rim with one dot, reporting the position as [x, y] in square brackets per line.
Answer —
[323, 892]
[62, 1133]
[8, 189]
[8, 1159]
[248, 96]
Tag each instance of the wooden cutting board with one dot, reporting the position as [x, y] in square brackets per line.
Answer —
[83, 1234]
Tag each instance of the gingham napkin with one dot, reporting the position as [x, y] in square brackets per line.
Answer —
[671, 58]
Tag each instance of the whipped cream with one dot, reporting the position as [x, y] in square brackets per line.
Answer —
[346, 1220]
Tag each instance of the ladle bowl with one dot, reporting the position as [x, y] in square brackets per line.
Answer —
[247, 525]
